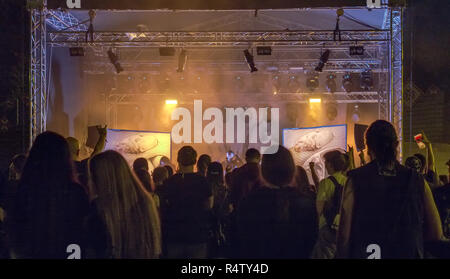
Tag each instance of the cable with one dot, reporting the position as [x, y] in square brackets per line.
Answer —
[90, 31]
[48, 82]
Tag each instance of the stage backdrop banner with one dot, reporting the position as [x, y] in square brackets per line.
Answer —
[310, 144]
[135, 144]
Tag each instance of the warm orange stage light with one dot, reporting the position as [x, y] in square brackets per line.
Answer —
[171, 102]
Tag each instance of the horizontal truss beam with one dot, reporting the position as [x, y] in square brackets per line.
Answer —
[337, 97]
[211, 39]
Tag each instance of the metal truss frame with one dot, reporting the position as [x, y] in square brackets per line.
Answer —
[368, 97]
[193, 39]
[396, 69]
[57, 20]
[38, 73]
[60, 20]
[135, 60]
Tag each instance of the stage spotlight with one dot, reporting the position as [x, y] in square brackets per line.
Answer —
[356, 50]
[356, 116]
[332, 111]
[315, 100]
[115, 61]
[276, 84]
[250, 61]
[76, 51]
[143, 84]
[331, 83]
[182, 59]
[366, 80]
[171, 102]
[264, 50]
[347, 83]
[312, 82]
[323, 59]
[166, 51]
[293, 84]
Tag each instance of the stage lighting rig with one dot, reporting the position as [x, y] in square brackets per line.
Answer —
[182, 59]
[331, 83]
[250, 61]
[76, 51]
[323, 60]
[276, 84]
[293, 84]
[115, 61]
[264, 50]
[356, 50]
[347, 83]
[366, 80]
[332, 111]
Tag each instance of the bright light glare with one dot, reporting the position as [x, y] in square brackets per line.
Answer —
[171, 102]
[315, 100]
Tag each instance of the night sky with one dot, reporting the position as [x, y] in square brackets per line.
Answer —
[430, 43]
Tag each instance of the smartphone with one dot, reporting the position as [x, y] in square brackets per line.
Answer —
[419, 140]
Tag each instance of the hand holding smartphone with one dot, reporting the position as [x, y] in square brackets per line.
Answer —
[419, 140]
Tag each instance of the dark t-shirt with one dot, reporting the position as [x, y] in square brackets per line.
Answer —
[81, 169]
[95, 235]
[442, 199]
[388, 211]
[276, 223]
[429, 176]
[185, 218]
[44, 229]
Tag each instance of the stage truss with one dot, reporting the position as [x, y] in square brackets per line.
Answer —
[68, 31]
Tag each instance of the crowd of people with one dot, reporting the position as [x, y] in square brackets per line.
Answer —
[265, 208]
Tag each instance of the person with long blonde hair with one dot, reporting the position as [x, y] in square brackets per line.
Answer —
[127, 212]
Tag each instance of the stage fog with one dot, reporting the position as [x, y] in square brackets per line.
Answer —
[87, 91]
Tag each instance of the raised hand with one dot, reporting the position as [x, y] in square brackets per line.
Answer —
[102, 130]
[425, 139]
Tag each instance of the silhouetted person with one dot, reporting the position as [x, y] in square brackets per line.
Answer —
[385, 203]
[252, 155]
[159, 176]
[9, 187]
[50, 204]
[414, 163]
[276, 221]
[81, 167]
[169, 170]
[301, 181]
[8, 191]
[202, 164]
[124, 222]
[190, 199]
[328, 203]
[220, 211]
[146, 180]
[243, 181]
[140, 164]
